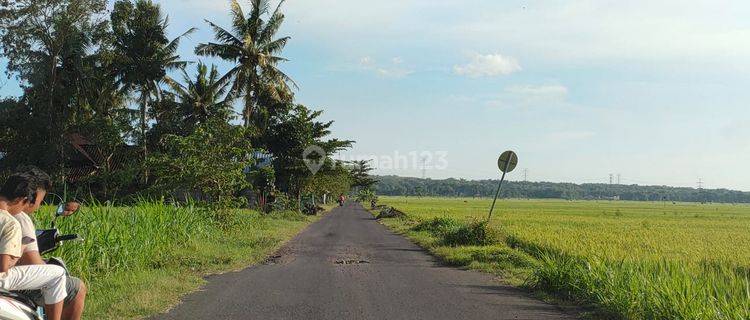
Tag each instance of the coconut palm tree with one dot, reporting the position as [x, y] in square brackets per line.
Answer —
[144, 54]
[255, 50]
[202, 98]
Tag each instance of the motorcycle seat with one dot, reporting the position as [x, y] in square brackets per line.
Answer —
[18, 297]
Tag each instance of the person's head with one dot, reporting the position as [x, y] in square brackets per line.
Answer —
[42, 184]
[18, 192]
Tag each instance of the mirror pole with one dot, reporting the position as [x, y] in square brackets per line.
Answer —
[497, 193]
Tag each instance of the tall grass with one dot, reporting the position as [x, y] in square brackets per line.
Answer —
[648, 290]
[139, 260]
[127, 239]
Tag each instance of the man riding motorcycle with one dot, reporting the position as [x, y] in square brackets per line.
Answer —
[76, 289]
[15, 195]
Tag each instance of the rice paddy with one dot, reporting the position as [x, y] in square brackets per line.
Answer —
[631, 260]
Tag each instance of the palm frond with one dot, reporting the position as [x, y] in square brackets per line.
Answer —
[255, 21]
[224, 51]
[275, 46]
[172, 46]
[237, 86]
[239, 24]
[274, 60]
[177, 87]
[172, 65]
[277, 75]
[223, 35]
[273, 25]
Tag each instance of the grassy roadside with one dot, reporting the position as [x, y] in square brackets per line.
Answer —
[139, 261]
[512, 266]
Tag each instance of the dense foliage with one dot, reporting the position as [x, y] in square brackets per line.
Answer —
[402, 186]
[102, 111]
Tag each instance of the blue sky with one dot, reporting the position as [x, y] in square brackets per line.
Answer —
[656, 92]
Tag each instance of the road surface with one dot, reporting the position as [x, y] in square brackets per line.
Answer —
[348, 266]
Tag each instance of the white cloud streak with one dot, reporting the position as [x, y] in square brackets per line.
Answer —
[530, 96]
[543, 91]
[488, 65]
[394, 69]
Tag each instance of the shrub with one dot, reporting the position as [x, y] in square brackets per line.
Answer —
[437, 225]
[472, 234]
[390, 213]
[207, 165]
[281, 202]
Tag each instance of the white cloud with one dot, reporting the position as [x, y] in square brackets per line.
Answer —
[554, 95]
[554, 91]
[366, 61]
[488, 65]
[702, 34]
[394, 69]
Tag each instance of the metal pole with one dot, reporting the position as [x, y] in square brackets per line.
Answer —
[497, 193]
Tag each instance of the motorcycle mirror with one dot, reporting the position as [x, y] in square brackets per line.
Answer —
[60, 210]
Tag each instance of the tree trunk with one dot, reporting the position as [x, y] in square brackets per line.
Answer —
[61, 127]
[251, 95]
[299, 200]
[144, 144]
[144, 106]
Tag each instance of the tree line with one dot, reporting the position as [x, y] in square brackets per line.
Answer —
[108, 88]
[403, 186]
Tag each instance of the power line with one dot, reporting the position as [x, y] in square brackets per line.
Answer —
[525, 174]
[611, 176]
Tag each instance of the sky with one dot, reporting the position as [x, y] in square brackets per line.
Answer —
[653, 91]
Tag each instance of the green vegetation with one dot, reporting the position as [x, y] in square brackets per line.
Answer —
[407, 186]
[139, 260]
[113, 112]
[631, 260]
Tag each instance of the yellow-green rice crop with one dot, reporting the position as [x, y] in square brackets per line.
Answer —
[635, 260]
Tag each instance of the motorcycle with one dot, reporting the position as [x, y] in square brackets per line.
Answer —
[15, 306]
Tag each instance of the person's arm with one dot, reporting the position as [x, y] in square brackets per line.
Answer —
[6, 261]
[31, 257]
[10, 244]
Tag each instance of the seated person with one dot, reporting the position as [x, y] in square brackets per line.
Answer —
[15, 195]
[76, 289]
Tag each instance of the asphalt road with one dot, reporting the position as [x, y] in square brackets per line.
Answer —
[347, 266]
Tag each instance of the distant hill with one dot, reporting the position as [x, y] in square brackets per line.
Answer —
[406, 186]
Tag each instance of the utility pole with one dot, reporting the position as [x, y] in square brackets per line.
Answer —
[611, 177]
[700, 184]
[618, 178]
[525, 175]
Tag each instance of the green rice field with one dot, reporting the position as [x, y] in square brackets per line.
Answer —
[629, 260]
